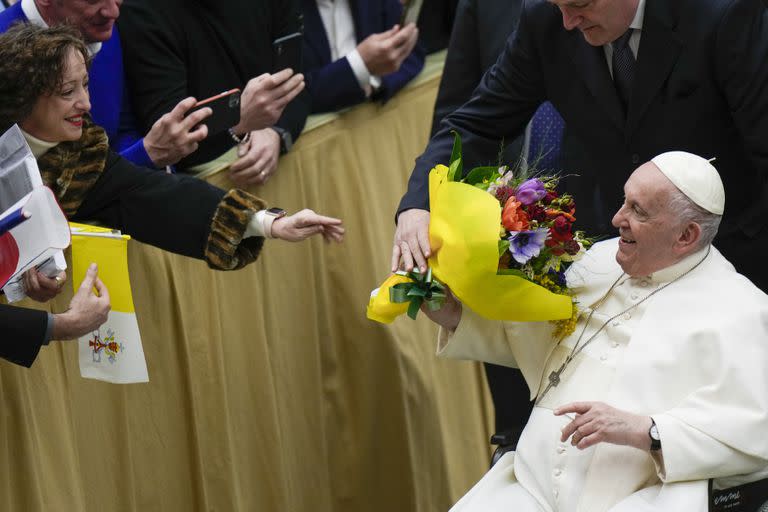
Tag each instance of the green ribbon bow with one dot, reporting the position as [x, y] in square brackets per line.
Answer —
[423, 289]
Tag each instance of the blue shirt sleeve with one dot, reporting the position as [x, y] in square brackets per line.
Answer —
[137, 154]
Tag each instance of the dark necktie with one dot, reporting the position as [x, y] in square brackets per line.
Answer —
[623, 67]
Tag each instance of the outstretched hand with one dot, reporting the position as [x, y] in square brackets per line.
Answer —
[597, 422]
[306, 223]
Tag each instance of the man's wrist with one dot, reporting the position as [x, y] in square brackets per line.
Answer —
[63, 326]
[284, 137]
[360, 71]
[655, 438]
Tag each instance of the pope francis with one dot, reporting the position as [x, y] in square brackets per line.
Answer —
[664, 383]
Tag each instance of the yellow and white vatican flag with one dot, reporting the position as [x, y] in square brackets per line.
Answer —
[112, 353]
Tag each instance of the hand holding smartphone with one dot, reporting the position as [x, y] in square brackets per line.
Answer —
[226, 111]
[411, 10]
[287, 52]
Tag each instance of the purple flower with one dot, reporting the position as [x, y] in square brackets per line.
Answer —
[530, 191]
[525, 245]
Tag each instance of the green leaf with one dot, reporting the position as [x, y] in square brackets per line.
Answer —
[511, 272]
[454, 170]
[480, 174]
[456, 152]
[503, 246]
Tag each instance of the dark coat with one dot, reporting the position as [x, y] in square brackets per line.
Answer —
[176, 213]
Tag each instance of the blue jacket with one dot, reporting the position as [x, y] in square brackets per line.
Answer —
[110, 106]
[333, 85]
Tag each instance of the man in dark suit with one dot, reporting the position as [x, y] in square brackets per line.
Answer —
[633, 78]
[24, 331]
[477, 40]
[353, 51]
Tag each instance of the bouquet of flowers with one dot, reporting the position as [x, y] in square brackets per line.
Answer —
[503, 240]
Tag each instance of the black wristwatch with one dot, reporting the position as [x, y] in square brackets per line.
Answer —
[653, 433]
[286, 140]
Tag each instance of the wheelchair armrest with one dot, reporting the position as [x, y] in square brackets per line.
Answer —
[505, 441]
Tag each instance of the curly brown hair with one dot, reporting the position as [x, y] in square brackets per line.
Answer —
[32, 65]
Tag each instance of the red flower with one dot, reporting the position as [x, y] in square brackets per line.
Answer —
[554, 246]
[551, 196]
[561, 230]
[503, 194]
[536, 212]
[572, 247]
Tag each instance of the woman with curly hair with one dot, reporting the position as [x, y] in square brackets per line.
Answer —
[44, 89]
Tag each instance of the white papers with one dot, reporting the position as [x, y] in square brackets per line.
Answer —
[39, 240]
[36, 240]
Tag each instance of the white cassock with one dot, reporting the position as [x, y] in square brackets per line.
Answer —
[694, 356]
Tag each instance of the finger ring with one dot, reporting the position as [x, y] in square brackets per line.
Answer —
[59, 281]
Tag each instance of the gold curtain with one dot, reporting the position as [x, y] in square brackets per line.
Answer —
[269, 390]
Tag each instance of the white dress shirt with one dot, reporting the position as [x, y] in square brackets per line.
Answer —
[340, 30]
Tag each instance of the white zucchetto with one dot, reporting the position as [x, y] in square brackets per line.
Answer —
[695, 177]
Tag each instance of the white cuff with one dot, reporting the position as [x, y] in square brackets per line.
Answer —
[260, 225]
[360, 70]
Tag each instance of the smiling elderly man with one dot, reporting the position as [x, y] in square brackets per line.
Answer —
[661, 387]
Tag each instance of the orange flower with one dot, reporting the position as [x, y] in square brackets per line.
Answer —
[513, 218]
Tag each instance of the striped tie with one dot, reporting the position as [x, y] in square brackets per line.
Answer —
[623, 67]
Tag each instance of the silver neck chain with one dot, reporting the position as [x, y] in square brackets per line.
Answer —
[554, 377]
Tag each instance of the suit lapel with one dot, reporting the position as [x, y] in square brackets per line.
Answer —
[315, 35]
[659, 49]
[590, 61]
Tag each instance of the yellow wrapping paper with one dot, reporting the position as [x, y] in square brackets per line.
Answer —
[464, 235]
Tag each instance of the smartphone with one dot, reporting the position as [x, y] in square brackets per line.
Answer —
[411, 10]
[226, 111]
[286, 52]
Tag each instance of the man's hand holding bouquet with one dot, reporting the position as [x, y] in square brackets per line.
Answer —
[502, 241]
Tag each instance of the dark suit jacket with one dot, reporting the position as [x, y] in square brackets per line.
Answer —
[332, 85]
[478, 38]
[21, 334]
[700, 87]
[436, 22]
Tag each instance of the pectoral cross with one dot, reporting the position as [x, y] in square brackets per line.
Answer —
[554, 380]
